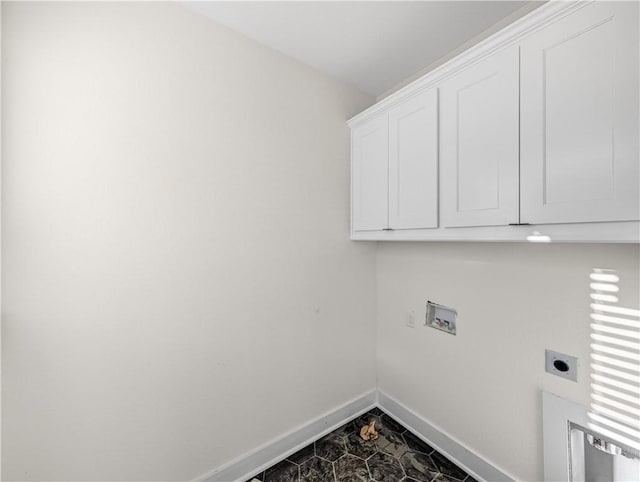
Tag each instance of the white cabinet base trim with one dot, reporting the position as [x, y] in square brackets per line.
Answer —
[616, 232]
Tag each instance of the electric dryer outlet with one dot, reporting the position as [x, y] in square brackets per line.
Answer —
[562, 365]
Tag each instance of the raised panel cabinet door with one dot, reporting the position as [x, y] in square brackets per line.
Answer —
[413, 163]
[579, 140]
[370, 154]
[479, 143]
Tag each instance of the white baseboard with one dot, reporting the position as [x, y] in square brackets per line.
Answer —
[272, 452]
[442, 442]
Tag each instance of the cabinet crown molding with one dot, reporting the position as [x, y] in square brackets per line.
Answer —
[510, 35]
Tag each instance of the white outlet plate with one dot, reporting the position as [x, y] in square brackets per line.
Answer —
[411, 319]
[562, 365]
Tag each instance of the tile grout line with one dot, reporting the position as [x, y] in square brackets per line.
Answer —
[390, 431]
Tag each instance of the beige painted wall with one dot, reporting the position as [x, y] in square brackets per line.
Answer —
[514, 300]
[179, 287]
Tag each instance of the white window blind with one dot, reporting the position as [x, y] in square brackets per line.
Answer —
[615, 362]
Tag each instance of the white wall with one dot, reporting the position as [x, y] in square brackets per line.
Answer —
[179, 287]
[0, 240]
[483, 386]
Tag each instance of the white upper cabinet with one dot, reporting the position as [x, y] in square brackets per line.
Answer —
[413, 162]
[530, 135]
[395, 167]
[579, 119]
[370, 145]
[479, 121]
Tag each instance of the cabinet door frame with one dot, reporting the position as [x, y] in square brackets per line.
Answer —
[370, 187]
[492, 155]
[413, 162]
[609, 191]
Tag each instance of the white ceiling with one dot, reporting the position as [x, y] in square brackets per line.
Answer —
[372, 45]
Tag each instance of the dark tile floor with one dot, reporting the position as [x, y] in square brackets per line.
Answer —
[342, 456]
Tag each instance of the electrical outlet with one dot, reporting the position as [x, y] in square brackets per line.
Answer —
[559, 364]
[411, 319]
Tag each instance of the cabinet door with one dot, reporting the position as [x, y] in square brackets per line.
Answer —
[579, 78]
[413, 163]
[370, 154]
[479, 150]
